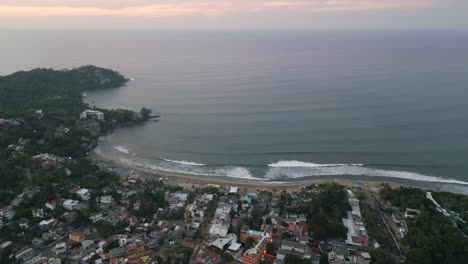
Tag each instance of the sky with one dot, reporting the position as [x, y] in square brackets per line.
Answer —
[238, 14]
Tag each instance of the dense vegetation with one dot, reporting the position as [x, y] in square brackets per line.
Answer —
[327, 206]
[431, 238]
[53, 91]
[26, 132]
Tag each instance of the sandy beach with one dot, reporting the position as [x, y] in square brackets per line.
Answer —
[245, 185]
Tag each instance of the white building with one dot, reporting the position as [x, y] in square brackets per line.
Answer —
[84, 194]
[60, 249]
[106, 199]
[45, 224]
[219, 230]
[70, 204]
[7, 213]
[51, 204]
[92, 114]
[38, 213]
[233, 190]
[357, 234]
[96, 217]
[54, 261]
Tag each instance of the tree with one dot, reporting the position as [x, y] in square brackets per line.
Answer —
[382, 256]
[293, 259]
[324, 258]
[271, 249]
[250, 243]
[104, 229]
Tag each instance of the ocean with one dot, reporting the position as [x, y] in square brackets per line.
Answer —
[277, 106]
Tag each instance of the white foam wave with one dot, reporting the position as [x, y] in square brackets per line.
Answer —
[299, 172]
[185, 162]
[232, 172]
[299, 164]
[122, 149]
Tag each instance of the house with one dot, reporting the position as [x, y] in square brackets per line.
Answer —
[38, 213]
[96, 217]
[60, 249]
[221, 243]
[203, 256]
[293, 248]
[84, 194]
[54, 261]
[7, 212]
[46, 224]
[70, 204]
[411, 213]
[219, 230]
[77, 236]
[37, 243]
[92, 114]
[51, 204]
[23, 223]
[106, 200]
[69, 216]
[233, 190]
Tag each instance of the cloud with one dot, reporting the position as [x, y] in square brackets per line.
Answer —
[347, 5]
[180, 8]
[154, 10]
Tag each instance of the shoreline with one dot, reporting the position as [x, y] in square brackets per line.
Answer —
[189, 180]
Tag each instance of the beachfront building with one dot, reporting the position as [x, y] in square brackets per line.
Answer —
[357, 234]
[92, 114]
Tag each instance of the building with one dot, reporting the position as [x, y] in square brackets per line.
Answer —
[60, 249]
[107, 199]
[92, 114]
[84, 194]
[233, 190]
[38, 213]
[70, 204]
[255, 254]
[293, 248]
[96, 217]
[246, 233]
[411, 213]
[51, 204]
[7, 213]
[357, 234]
[54, 261]
[46, 224]
[77, 236]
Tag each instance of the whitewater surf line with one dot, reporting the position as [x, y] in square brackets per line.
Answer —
[285, 169]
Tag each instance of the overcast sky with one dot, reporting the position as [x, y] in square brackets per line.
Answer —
[238, 14]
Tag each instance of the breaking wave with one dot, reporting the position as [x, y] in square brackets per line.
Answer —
[122, 149]
[232, 172]
[281, 170]
[304, 169]
[299, 164]
[185, 162]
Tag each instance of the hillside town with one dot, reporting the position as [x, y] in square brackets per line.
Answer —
[147, 221]
[58, 204]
